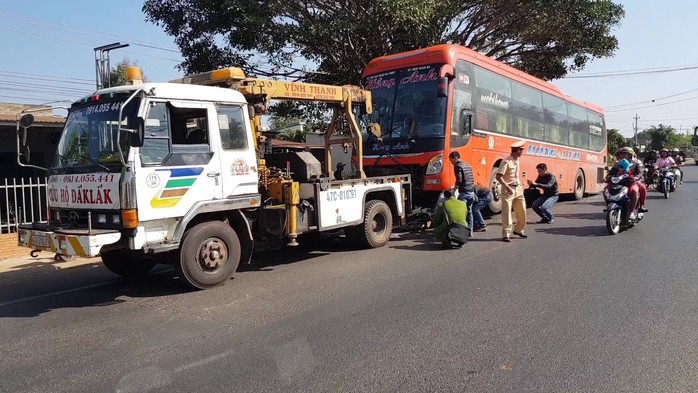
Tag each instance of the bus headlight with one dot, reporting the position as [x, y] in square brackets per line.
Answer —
[436, 165]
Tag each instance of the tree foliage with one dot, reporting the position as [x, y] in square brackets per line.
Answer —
[663, 136]
[615, 141]
[117, 75]
[547, 38]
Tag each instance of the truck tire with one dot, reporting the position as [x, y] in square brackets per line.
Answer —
[377, 226]
[209, 255]
[127, 264]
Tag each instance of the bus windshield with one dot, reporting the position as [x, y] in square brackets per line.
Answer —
[405, 105]
[90, 135]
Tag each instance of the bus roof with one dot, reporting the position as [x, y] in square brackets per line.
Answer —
[449, 53]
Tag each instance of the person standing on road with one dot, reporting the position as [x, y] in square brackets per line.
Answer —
[483, 197]
[547, 182]
[512, 193]
[465, 183]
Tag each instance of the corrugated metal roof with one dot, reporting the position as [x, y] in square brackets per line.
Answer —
[37, 119]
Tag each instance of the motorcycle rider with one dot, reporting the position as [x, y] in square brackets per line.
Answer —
[679, 162]
[665, 161]
[651, 158]
[638, 191]
[622, 167]
[649, 165]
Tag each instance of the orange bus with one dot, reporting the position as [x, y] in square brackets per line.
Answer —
[446, 98]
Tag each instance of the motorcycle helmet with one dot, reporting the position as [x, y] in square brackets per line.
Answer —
[664, 153]
[676, 150]
[628, 150]
[624, 165]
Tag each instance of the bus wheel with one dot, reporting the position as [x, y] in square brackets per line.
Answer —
[579, 185]
[496, 204]
[209, 255]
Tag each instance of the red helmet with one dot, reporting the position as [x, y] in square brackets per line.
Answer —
[664, 153]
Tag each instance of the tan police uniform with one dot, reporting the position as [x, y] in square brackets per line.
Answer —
[509, 168]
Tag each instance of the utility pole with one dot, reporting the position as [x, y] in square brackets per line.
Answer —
[636, 118]
[103, 64]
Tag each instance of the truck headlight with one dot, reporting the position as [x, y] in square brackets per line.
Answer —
[436, 165]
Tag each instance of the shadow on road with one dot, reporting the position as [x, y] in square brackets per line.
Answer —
[581, 216]
[588, 231]
[93, 291]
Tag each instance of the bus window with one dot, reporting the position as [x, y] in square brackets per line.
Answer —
[462, 105]
[492, 101]
[579, 126]
[597, 131]
[555, 115]
[528, 112]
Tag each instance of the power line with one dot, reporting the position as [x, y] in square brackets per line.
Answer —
[133, 41]
[84, 43]
[33, 78]
[630, 73]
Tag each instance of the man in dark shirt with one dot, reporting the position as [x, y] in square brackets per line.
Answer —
[546, 181]
[465, 183]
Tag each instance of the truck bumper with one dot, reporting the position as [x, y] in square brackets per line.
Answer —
[67, 242]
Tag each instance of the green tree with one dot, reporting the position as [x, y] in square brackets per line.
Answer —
[615, 141]
[663, 136]
[267, 37]
[117, 75]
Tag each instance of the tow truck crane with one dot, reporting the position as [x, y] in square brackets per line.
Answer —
[181, 173]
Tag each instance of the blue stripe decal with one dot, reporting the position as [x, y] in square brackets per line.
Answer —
[183, 172]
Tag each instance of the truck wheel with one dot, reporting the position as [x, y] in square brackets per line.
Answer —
[579, 185]
[126, 264]
[209, 255]
[377, 226]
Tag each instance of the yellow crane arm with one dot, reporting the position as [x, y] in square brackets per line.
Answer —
[258, 91]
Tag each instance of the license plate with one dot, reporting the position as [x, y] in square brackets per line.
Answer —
[40, 241]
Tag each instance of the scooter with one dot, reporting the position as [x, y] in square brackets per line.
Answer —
[618, 204]
[667, 181]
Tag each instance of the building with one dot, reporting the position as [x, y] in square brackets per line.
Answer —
[42, 140]
[23, 190]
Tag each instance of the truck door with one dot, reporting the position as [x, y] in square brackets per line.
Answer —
[237, 156]
[177, 164]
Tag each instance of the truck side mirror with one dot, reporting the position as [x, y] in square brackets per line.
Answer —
[27, 153]
[136, 130]
[25, 122]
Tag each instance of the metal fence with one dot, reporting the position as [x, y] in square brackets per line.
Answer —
[22, 201]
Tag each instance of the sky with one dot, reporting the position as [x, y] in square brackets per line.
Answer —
[48, 55]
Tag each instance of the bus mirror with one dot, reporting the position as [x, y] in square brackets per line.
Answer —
[442, 87]
[466, 121]
[375, 130]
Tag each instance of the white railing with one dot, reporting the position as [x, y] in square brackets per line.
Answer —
[22, 201]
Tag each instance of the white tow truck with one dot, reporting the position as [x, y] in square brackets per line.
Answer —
[182, 173]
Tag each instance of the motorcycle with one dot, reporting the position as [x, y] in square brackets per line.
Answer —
[618, 204]
[667, 181]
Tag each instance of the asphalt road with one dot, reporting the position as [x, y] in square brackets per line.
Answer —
[568, 309]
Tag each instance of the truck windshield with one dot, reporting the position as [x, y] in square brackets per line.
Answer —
[411, 116]
[90, 135]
